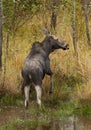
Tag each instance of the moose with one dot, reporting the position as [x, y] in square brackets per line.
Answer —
[37, 64]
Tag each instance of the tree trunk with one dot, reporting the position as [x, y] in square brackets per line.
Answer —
[55, 4]
[5, 58]
[86, 22]
[0, 34]
[53, 19]
[74, 26]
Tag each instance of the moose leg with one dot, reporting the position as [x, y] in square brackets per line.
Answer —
[26, 92]
[39, 93]
[51, 84]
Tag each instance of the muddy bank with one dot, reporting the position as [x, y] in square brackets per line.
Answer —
[10, 113]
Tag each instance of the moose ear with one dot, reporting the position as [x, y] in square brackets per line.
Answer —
[46, 32]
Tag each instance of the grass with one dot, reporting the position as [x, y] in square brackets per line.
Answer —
[11, 100]
[63, 98]
[32, 118]
[69, 95]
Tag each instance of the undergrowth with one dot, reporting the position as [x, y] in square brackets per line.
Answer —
[70, 72]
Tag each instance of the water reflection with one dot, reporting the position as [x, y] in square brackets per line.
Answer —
[31, 120]
[67, 124]
[70, 123]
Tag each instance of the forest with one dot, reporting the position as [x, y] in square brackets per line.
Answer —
[21, 24]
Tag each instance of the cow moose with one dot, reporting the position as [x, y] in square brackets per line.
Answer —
[37, 64]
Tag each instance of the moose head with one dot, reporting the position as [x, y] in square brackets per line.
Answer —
[54, 42]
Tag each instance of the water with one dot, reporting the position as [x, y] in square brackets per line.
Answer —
[69, 123]
[19, 119]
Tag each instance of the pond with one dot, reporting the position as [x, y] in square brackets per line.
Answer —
[17, 118]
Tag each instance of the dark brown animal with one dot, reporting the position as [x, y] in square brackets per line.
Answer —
[37, 64]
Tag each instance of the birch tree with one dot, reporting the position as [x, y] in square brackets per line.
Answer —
[86, 21]
[0, 34]
[55, 4]
[74, 26]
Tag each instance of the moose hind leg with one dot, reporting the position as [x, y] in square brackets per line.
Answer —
[39, 93]
[26, 92]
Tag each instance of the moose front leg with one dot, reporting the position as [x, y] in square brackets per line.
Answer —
[49, 72]
[51, 84]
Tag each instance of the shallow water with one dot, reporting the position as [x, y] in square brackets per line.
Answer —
[67, 124]
[70, 123]
[17, 118]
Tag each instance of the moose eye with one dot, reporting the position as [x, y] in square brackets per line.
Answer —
[53, 48]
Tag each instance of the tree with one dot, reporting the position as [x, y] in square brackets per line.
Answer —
[18, 12]
[55, 4]
[74, 25]
[0, 34]
[86, 21]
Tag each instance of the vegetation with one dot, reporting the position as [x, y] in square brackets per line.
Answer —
[23, 22]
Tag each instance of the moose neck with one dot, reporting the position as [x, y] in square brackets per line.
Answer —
[47, 47]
